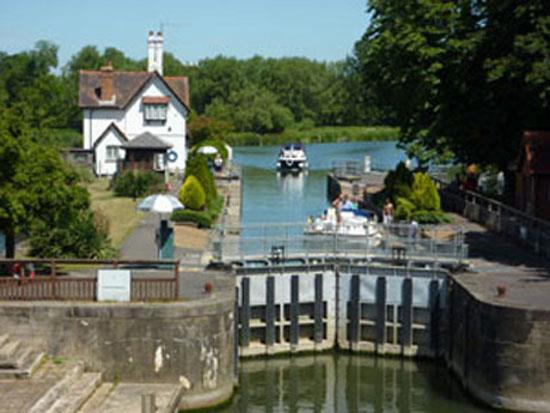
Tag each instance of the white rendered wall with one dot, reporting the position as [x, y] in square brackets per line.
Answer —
[102, 166]
[132, 122]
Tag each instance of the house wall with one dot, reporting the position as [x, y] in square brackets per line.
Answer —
[132, 123]
[102, 166]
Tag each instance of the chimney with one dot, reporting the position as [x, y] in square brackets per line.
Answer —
[155, 43]
[107, 81]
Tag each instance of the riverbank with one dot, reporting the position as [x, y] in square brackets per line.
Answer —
[322, 134]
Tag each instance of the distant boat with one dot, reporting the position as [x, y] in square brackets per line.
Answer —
[292, 158]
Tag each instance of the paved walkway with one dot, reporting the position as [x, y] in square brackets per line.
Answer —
[496, 261]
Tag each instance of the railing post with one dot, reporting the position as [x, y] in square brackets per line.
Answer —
[177, 276]
[54, 279]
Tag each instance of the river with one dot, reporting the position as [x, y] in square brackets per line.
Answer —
[330, 382]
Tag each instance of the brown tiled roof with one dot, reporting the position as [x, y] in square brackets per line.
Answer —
[126, 86]
[156, 99]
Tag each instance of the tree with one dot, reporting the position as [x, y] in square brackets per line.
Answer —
[40, 196]
[192, 194]
[459, 76]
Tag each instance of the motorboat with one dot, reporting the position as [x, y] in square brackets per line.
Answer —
[292, 157]
[347, 223]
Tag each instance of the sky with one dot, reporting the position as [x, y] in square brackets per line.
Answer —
[194, 29]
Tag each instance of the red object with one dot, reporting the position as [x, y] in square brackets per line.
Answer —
[501, 291]
[208, 287]
[168, 187]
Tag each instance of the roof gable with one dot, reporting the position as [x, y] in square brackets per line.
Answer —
[126, 86]
[118, 133]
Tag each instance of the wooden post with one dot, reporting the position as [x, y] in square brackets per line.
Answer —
[177, 276]
[54, 279]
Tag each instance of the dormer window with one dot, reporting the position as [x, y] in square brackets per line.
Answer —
[155, 108]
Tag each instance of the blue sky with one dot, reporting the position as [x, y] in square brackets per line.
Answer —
[194, 29]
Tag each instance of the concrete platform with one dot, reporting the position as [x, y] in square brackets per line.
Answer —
[126, 397]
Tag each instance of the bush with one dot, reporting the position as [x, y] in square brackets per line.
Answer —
[424, 193]
[86, 236]
[136, 184]
[192, 194]
[201, 218]
[197, 166]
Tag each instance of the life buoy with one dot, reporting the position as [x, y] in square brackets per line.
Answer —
[172, 156]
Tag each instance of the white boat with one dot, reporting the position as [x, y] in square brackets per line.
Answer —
[350, 223]
[292, 157]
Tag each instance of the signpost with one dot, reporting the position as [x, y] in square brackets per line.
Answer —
[114, 285]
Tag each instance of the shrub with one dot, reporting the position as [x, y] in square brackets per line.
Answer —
[398, 182]
[137, 183]
[424, 193]
[404, 209]
[197, 166]
[201, 218]
[192, 194]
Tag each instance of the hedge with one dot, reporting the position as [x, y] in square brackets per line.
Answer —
[192, 194]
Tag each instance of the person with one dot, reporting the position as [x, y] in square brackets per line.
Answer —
[31, 271]
[347, 204]
[16, 271]
[413, 232]
[388, 212]
[218, 163]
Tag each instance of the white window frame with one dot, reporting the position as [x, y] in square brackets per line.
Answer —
[112, 153]
[159, 162]
[155, 112]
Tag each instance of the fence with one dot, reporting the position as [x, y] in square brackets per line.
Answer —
[402, 242]
[499, 218]
[65, 279]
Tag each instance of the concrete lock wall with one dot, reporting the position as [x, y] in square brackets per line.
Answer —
[186, 342]
[377, 310]
[500, 353]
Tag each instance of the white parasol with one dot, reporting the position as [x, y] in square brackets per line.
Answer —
[160, 203]
[207, 150]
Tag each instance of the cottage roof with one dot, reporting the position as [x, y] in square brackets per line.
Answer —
[535, 152]
[147, 141]
[126, 85]
[118, 133]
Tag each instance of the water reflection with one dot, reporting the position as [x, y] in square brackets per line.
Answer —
[292, 184]
[346, 383]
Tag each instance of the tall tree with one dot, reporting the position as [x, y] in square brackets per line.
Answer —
[466, 76]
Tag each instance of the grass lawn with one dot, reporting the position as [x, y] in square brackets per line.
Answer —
[121, 212]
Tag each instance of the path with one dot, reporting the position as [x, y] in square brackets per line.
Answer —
[496, 261]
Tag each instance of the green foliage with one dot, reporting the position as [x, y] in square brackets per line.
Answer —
[197, 166]
[424, 194]
[192, 194]
[252, 109]
[40, 195]
[322, 134]
[398, 183]
[201, 218]
[204, 219]
[416, 196]
[476, 74]
[136, 184]
[203, 128]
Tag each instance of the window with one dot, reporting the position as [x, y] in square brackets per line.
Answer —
[158, 162]
[155, 112]
[112, 153]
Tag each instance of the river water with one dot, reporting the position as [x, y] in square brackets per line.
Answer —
[269, 197]
[330, 382]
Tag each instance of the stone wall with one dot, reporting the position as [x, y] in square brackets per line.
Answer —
[188, 342]
[500, 353]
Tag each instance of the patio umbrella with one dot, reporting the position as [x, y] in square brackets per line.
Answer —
[207, 150]
[160, 203]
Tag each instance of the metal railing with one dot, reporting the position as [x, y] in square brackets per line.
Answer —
[498, 217]
[75, 279]
[396, 241]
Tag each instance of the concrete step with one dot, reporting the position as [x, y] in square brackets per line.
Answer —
[58, 390]
[77, 394]
[4, 338]
[24, 366]
[8, 353]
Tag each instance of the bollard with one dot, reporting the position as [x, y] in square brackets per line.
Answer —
[148, 404]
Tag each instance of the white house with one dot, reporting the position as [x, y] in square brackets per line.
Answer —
[122, 106]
